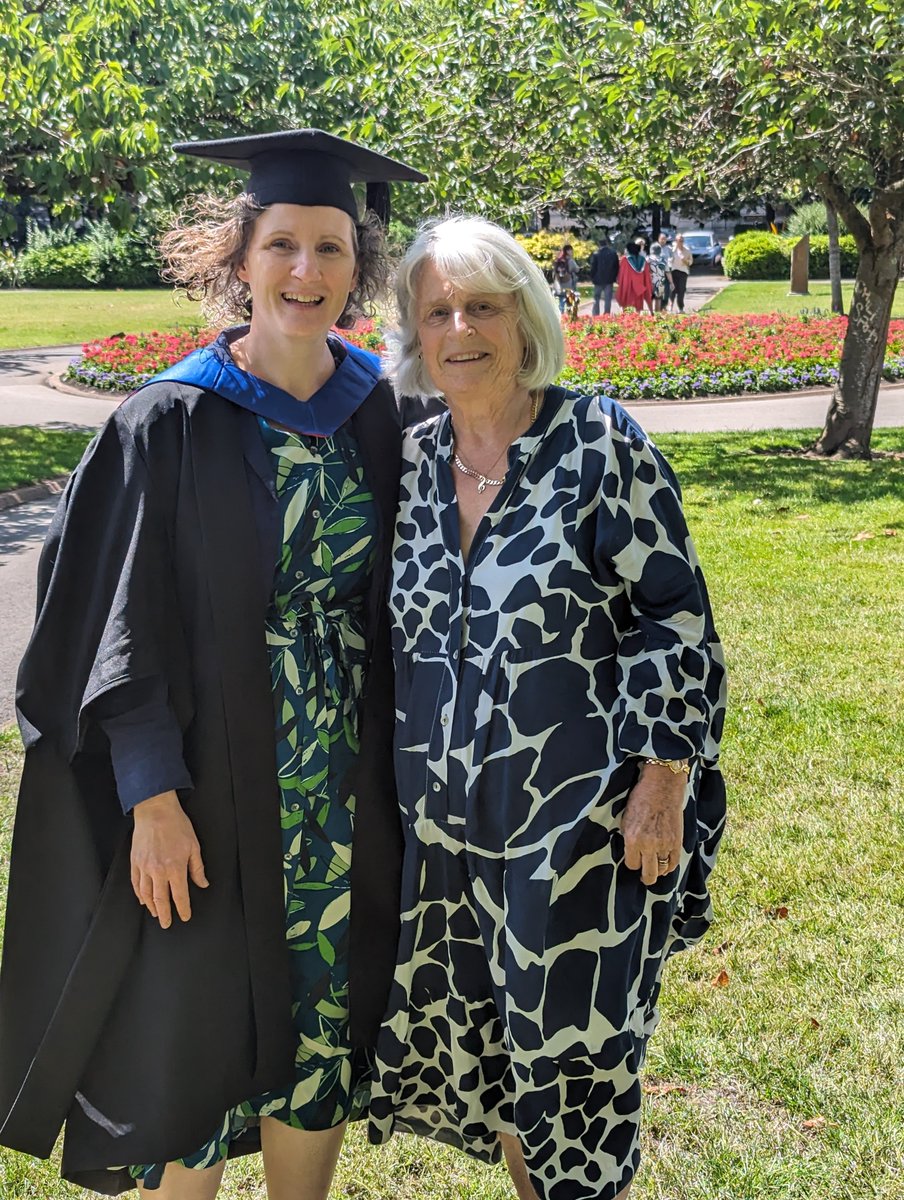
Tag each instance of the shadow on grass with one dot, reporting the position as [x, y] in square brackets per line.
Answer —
[749, 465]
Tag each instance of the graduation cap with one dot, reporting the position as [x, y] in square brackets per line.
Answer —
[309, 167]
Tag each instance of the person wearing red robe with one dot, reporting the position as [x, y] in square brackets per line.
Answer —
[634, 283]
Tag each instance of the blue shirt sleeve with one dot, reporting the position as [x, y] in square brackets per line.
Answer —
[145, 742]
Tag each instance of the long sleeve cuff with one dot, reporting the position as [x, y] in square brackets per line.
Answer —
[145, 746]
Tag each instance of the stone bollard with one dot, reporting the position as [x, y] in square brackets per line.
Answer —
[800, 267]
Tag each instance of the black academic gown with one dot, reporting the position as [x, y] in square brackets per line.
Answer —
[159, 564]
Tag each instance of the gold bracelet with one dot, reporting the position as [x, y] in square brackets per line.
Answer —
[678, 766]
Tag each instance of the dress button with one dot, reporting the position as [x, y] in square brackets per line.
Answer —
[293, 633]
[295, 808]
[299, 574]
[444, 720]
[315, 512]
[437, 787]
[299, 691]
[287, 857]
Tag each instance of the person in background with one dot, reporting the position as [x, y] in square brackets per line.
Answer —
[603, 274]
[666, 251]
[564, 275]
[682, 261]
[207, 708]
[657, 276]
[634, 283]
[560, 692]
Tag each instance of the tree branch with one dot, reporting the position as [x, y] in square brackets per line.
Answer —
[832, 191]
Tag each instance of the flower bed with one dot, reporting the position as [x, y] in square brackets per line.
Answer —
[629, 357]
[634, 358]
[126, 361]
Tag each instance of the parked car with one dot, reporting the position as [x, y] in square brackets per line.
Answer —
[705, 247]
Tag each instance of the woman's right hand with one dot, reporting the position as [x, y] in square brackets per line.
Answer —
[165, 855]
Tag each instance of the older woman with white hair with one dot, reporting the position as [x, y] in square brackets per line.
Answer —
[560, 702]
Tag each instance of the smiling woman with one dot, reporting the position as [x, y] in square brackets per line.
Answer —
[559, 686]
[193, 705]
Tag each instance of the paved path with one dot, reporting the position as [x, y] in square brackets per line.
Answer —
[795, 411]
[22, 531]
[700, 290]
[25, 398]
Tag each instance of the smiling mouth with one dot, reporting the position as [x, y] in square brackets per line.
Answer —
[471, 356]
[302, 299]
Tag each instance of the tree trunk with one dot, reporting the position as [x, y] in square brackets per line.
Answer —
[849, 421]
[655, 222]
[544, 217]
[834, 259]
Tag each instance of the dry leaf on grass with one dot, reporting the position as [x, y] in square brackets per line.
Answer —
[863, 536]
[814, 1024]
[818, 1123]
[663, 1089]
[721, 980]
[778, 913]
[721, 948]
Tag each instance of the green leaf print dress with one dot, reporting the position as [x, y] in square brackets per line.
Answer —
[315, 638]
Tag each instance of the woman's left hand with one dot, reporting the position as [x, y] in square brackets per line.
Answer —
[653, 822]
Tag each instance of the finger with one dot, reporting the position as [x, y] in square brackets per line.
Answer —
[181, 899]
[146, 893]
[196, 867]
[649, 870]
[632, 855]
[162, 905]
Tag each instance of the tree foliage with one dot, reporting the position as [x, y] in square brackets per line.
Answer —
[91, 95]
[666, 99]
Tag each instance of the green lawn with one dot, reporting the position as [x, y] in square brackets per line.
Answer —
[62, 317]
[29, 454]
[786, 1082]
[756, 296]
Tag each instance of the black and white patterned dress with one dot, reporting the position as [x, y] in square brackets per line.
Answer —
[577, 637]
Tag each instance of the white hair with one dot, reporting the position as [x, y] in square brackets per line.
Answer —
[475, 254]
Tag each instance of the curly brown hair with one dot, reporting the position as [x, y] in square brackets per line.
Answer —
[208, 242]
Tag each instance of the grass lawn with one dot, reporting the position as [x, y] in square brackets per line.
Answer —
[762, 295]
[63, 317]
[29, 454]
[785, 1082]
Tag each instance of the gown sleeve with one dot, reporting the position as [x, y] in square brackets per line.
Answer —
[669, 669]
[145, 742]
[104, 640]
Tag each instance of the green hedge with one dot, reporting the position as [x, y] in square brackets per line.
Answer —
[819, 255]
[102, 259]
[756, 256]
[768, 256]
[59, 267]
[129, 261]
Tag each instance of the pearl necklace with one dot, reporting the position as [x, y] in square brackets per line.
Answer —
[485, 481]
